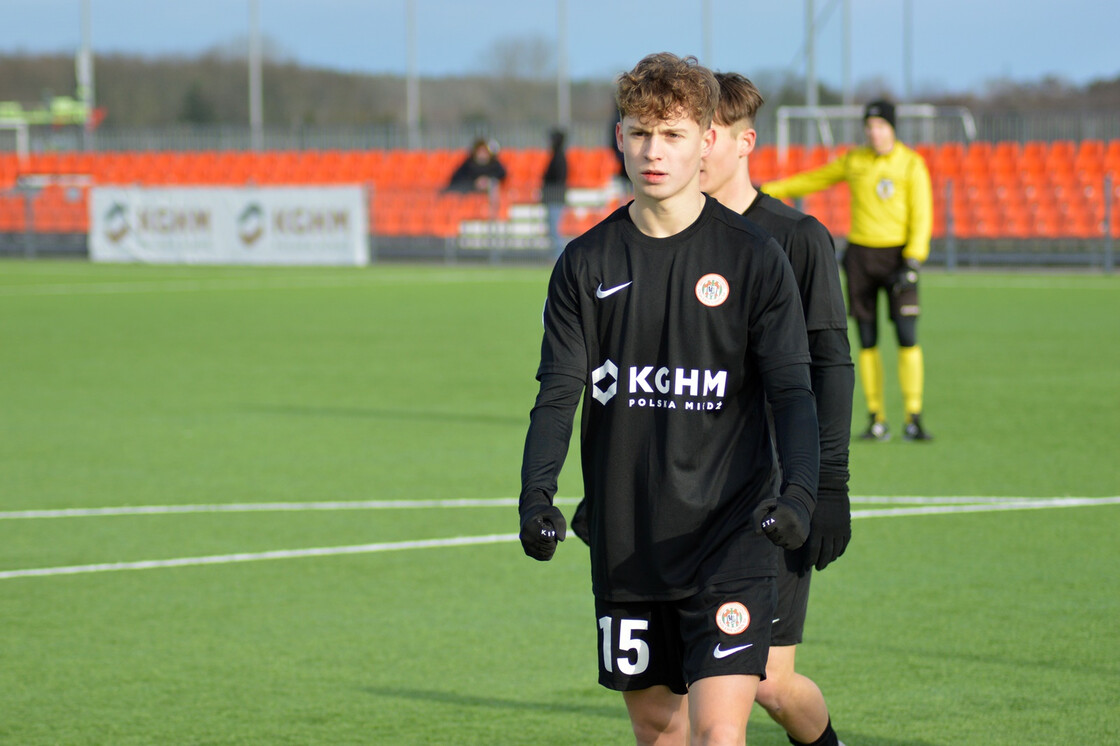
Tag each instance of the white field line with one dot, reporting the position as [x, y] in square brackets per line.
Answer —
[224, 559]
[500, 502]
[187, 285]
[936, 506]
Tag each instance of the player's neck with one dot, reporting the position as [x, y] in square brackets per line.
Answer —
[667, 217]
[737, 193]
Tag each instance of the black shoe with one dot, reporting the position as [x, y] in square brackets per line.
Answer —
[914, 429]
[876, 430]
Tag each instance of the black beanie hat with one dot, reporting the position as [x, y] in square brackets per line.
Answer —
[881, 108]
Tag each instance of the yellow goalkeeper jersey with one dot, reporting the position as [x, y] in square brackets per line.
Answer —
[891, 197]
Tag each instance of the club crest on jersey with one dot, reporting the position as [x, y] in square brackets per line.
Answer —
[733, 618]
[712, 290]
[885, 188]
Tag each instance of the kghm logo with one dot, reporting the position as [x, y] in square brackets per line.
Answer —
[250, 224]
[116, 222]
[688, 389]
[604, 371]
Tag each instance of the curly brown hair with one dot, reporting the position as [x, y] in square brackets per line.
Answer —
[665, 86]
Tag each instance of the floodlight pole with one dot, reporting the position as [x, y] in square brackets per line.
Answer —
[256, 109]
[811, 98]
[847, 97]
[412, 83]
[563, 83]
[706, 30]
[85, 76]
[908, 50]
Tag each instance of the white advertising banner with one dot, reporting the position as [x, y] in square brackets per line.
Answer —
[274, 225]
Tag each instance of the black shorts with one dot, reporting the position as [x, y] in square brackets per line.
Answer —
[793, 598]
[723, 630]
[870, 270]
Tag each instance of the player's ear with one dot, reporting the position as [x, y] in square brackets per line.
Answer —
[708, 142]
[618, 135]
[748, 138]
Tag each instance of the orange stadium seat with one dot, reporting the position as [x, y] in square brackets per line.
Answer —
[13, 213]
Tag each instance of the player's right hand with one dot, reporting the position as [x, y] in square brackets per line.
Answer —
[579, 522]
[541, 527]
[831, 528]
[785, 522]
[905, 278]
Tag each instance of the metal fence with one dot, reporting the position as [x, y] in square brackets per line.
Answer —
[989, 127]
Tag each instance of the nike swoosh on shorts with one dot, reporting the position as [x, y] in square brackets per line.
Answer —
[721, 653]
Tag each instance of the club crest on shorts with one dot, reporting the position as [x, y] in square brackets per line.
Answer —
[712, 290]
[733, 618]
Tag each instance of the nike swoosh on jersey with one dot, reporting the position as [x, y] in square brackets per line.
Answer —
[601, 293]
[721, 653]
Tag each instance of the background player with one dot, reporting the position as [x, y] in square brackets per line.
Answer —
[692, 318]
[792, 700]
[891, 225]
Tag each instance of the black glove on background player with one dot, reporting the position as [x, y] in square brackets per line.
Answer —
[541, 527]
[831, 528]
[905, 277]
[579, 523]
[786, 521]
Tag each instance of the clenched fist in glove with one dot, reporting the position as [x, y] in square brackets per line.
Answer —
[541, 527]
[785, 521]
[905, 278]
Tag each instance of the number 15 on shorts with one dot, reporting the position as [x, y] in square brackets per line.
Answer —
[633, 651]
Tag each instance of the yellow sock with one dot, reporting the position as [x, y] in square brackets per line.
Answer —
[871, 376]
[911, 378]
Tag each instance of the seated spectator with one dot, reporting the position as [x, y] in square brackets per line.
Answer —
[479, 172]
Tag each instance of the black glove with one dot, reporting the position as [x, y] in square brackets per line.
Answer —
[541, 527]
[785, 521]
[579, 522]
[831, 529]
[905, 277]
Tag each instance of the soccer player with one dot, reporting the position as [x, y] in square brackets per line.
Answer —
[793, 700]
[891, 224]
[677, 321]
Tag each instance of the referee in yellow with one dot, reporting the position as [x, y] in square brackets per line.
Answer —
[891, 223]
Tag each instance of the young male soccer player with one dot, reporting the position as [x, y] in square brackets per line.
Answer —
[892, 220]
[792, 700]
[678, 320]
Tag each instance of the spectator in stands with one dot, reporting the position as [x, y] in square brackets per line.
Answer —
[891, 225]
[554, 188]
[480, 171]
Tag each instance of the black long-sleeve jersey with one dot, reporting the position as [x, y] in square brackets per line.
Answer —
[812, 254]
[676, 344]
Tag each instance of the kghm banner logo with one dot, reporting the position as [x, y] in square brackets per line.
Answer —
[661, 387]
[250, 224]
[116, 222]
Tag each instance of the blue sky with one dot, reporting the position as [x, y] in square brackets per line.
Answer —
[958, 45]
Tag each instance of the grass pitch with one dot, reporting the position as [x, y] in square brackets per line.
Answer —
[391, 388]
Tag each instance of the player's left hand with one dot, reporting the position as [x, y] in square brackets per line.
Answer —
[541, 527]
[831, 529]
[785, 521]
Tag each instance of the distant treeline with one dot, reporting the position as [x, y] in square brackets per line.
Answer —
[212, 89]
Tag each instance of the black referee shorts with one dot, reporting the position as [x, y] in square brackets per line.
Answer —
[870, 270]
